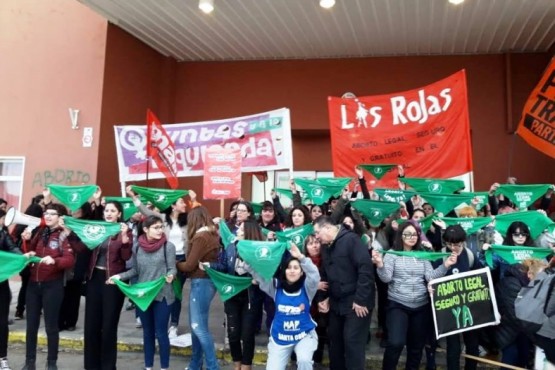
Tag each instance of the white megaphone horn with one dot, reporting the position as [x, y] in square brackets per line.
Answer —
[13, 216]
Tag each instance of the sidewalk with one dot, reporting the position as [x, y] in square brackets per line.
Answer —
[130, 337]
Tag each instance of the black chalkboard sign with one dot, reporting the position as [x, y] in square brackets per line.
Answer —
[464, 301]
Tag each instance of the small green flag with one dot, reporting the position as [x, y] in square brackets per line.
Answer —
[374, 210]
[161, 198]
[295, 235]
[513, 254]
[257, 208]
[142, 294]
[436, 186]
[394, 195]
[377, 170]
[13, 263]
[129, 208]
[228, 285]
[445, 203]
[177, 288]
[289, 194]
[469, 224]
[523, 196]
[92, 233]
[422, 255]
[225, 234]
[73, 197]
[536, 221]
[263, 257]
[320, 190]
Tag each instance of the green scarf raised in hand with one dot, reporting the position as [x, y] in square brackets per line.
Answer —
[92, 233]
[377, 170]
[263, 257]
[394, 195]
[445, 203]
[436, 186]
[375, 211]
[73, 197]
[228, 285]
[225, 234]
[514, 254]
[161, 198]
[296, 235]
[469, 224]
[523, 196]
[536, 221]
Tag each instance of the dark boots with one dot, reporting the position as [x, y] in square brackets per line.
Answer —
[51, 365]
[29, 365]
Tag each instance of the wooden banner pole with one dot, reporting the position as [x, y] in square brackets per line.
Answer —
[485, 360]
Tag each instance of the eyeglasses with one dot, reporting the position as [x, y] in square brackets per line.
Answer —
[50, 214]
[516, 235]
[408, 236]
[157, 227]
[242, 210]
[453, 245]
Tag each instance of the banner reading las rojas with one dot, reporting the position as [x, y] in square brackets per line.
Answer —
[264, 140]
[425, 129]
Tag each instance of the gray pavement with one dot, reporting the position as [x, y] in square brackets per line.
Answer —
[130, 339]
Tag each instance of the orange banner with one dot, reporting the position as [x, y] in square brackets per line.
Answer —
[537, 125]
[425, 129]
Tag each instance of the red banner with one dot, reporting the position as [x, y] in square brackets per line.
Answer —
[426, 130]
[161, 148]
[537, 125]
[222, 173]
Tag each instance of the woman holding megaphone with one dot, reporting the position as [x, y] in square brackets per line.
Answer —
[46, 286]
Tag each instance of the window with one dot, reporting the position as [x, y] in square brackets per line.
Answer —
[11, 180]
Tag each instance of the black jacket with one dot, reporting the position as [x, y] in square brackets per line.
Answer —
[348, 269]
[507, 291]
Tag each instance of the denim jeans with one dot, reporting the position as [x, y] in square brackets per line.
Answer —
[176, 305]
[202, 293]
[155, 325]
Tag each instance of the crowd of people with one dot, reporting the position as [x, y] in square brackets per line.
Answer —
[322, 294]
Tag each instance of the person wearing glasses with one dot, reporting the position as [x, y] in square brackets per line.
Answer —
[46, 286]
[454, 239]
[154, 257]
[518, 235]
[104, 302]
[408, 317]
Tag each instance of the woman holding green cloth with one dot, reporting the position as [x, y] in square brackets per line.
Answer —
[104, 302]
[153, 258]
[6, 245]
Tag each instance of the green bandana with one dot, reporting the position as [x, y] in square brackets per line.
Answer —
[257, 209]
[296, 235]
[377, 170]
[515, 254]
[445, 203]
[142, 294]
[289, 194]
[422, 255]
[177, 288]
[161, 198]
[225, 234]
[334, 181]
[228, 285]
[320, 191]
[436, 186]
[536, 221]
[263, 257]
[73, 197]
[481, 196]
[92, 233]
[375, 211]
[523, 196]
[13, 263]
[394, 195]
[469, 224]
[129, 208]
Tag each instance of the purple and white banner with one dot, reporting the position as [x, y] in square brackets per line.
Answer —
[264, 140]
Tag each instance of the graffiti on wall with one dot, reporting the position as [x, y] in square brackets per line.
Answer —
[60, 176]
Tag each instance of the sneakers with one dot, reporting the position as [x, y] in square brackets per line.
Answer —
[4, 364]
[138, 323]
[129, 306]
[172, 333]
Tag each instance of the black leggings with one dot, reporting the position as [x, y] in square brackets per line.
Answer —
[5, 298]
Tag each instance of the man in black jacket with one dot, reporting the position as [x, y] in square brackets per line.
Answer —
[347, 267]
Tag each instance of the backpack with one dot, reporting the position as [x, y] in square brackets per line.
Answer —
[531, 304]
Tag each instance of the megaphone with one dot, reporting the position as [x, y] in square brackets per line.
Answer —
[13, 216]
